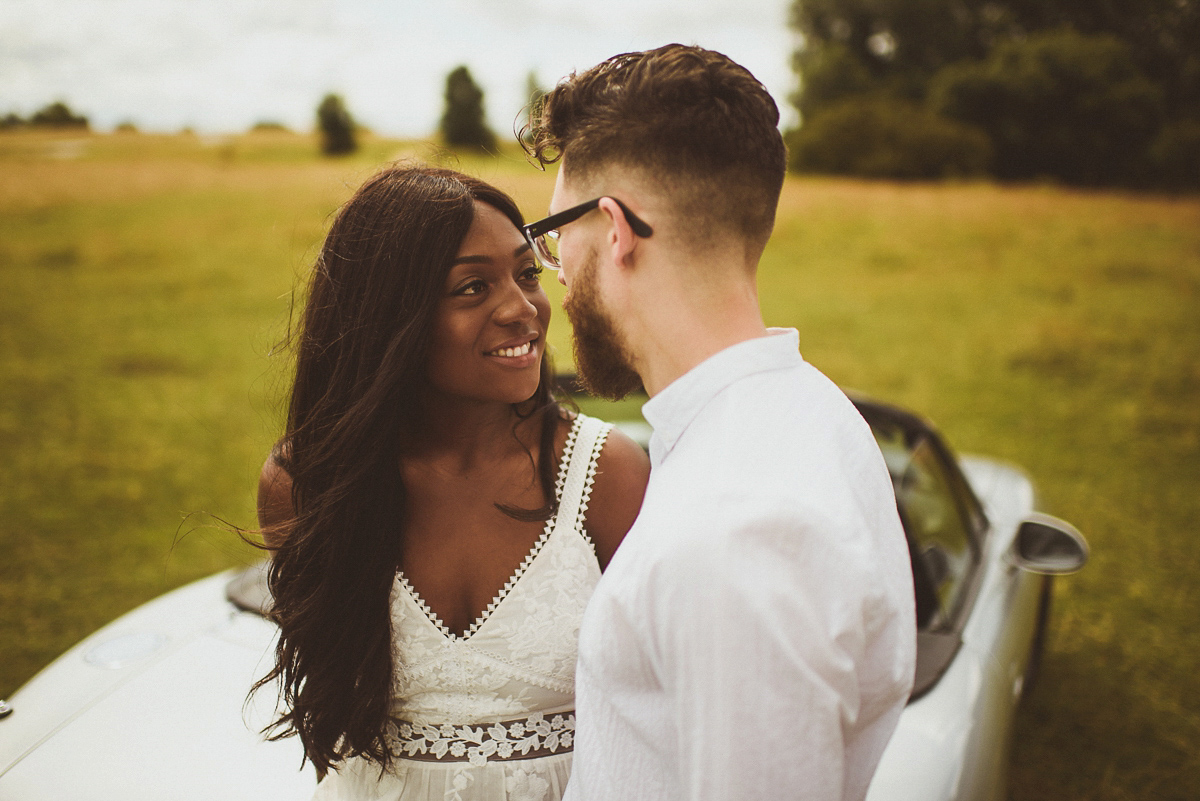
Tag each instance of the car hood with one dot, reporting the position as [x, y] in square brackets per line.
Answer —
[154, 706]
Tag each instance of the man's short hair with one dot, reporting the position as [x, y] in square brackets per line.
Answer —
[688, 118]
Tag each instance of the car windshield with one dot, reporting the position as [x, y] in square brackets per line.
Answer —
[937, 518]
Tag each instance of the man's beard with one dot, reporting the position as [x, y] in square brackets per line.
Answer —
[602, 362]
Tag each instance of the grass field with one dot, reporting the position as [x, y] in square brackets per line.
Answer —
[144, 281]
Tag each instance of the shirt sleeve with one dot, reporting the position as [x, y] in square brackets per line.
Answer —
[759, 638]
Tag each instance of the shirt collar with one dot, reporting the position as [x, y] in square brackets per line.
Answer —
[673, 409]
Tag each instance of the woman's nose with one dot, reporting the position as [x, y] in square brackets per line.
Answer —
[515, 306]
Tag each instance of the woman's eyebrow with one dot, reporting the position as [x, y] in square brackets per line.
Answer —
[480, 259]
[485, 259]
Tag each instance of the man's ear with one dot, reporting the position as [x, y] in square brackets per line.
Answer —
[622, 241]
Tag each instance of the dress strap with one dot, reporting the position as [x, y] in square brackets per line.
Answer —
[585, 442]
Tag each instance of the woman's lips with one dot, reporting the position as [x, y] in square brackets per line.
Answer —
[517, 354]
[520, 350]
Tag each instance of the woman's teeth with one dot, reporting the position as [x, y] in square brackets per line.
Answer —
[512, 352]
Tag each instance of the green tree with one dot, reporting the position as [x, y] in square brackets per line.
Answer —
[58, 115]
[463, 123]
[1175, 156]
[887, 138]
[901, 44]
[960, 51]
[1058, 104]
[336, 126]
[534, 91]
[887, 47]
[1163, 37]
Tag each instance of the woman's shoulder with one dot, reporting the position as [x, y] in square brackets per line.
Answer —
[275, 511]
[619, 483]
[617, 450]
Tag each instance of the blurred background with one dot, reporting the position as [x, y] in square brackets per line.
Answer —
[992, 219]
[223, 65]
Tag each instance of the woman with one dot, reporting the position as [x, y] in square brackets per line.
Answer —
[426, 506]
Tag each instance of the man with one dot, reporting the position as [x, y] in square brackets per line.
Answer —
[754, 636]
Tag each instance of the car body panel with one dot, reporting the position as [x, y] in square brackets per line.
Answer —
[953, 743]
[174, 723]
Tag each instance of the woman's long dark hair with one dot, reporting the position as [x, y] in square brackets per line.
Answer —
[360, 367]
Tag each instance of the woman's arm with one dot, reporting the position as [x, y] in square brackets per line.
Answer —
[621, 475]
[275, 510]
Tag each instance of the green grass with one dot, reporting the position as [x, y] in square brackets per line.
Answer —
[144, 280]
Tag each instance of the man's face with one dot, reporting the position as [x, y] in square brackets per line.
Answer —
[602, 361]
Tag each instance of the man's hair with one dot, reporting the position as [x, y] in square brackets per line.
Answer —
[689, 119]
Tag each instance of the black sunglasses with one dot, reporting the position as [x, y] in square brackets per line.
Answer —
[542, 235]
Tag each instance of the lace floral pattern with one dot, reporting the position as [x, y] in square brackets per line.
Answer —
[526, 785]
[532, 736]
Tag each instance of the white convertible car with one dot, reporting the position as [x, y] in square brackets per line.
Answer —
[153, 706]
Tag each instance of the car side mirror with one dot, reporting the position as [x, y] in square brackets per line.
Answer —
[248, 590]
[1045, 544]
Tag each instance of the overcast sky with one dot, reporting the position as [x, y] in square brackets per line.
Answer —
[222, 65]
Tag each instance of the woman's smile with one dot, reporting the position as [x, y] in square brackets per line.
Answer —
[518, 355]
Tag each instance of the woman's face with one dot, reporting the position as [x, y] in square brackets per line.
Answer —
[489, 331]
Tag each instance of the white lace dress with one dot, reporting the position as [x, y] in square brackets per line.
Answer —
[489, 716]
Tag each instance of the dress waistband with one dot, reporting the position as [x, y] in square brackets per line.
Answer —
[521, 738]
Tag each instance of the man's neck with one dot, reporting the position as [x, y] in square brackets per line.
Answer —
[676, 328]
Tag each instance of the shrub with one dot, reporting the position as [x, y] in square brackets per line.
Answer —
[269, 126]
[1058, 104]
[1175, 155]
[881, 138]
[336, 126]
[58, 115]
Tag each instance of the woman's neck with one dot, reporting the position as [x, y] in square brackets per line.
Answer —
[462, 435]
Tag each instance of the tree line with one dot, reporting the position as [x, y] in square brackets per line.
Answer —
[55, 115]
[1087, 92]
[463, 123]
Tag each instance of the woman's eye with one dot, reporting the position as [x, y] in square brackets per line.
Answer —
[533, 272]
[471, 288]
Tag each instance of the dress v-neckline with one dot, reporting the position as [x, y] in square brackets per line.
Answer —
[432, 618]
[486, 615]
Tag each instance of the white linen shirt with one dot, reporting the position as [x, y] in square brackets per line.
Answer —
[754, 636]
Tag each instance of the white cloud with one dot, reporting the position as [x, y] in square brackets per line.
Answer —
[221, 65]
